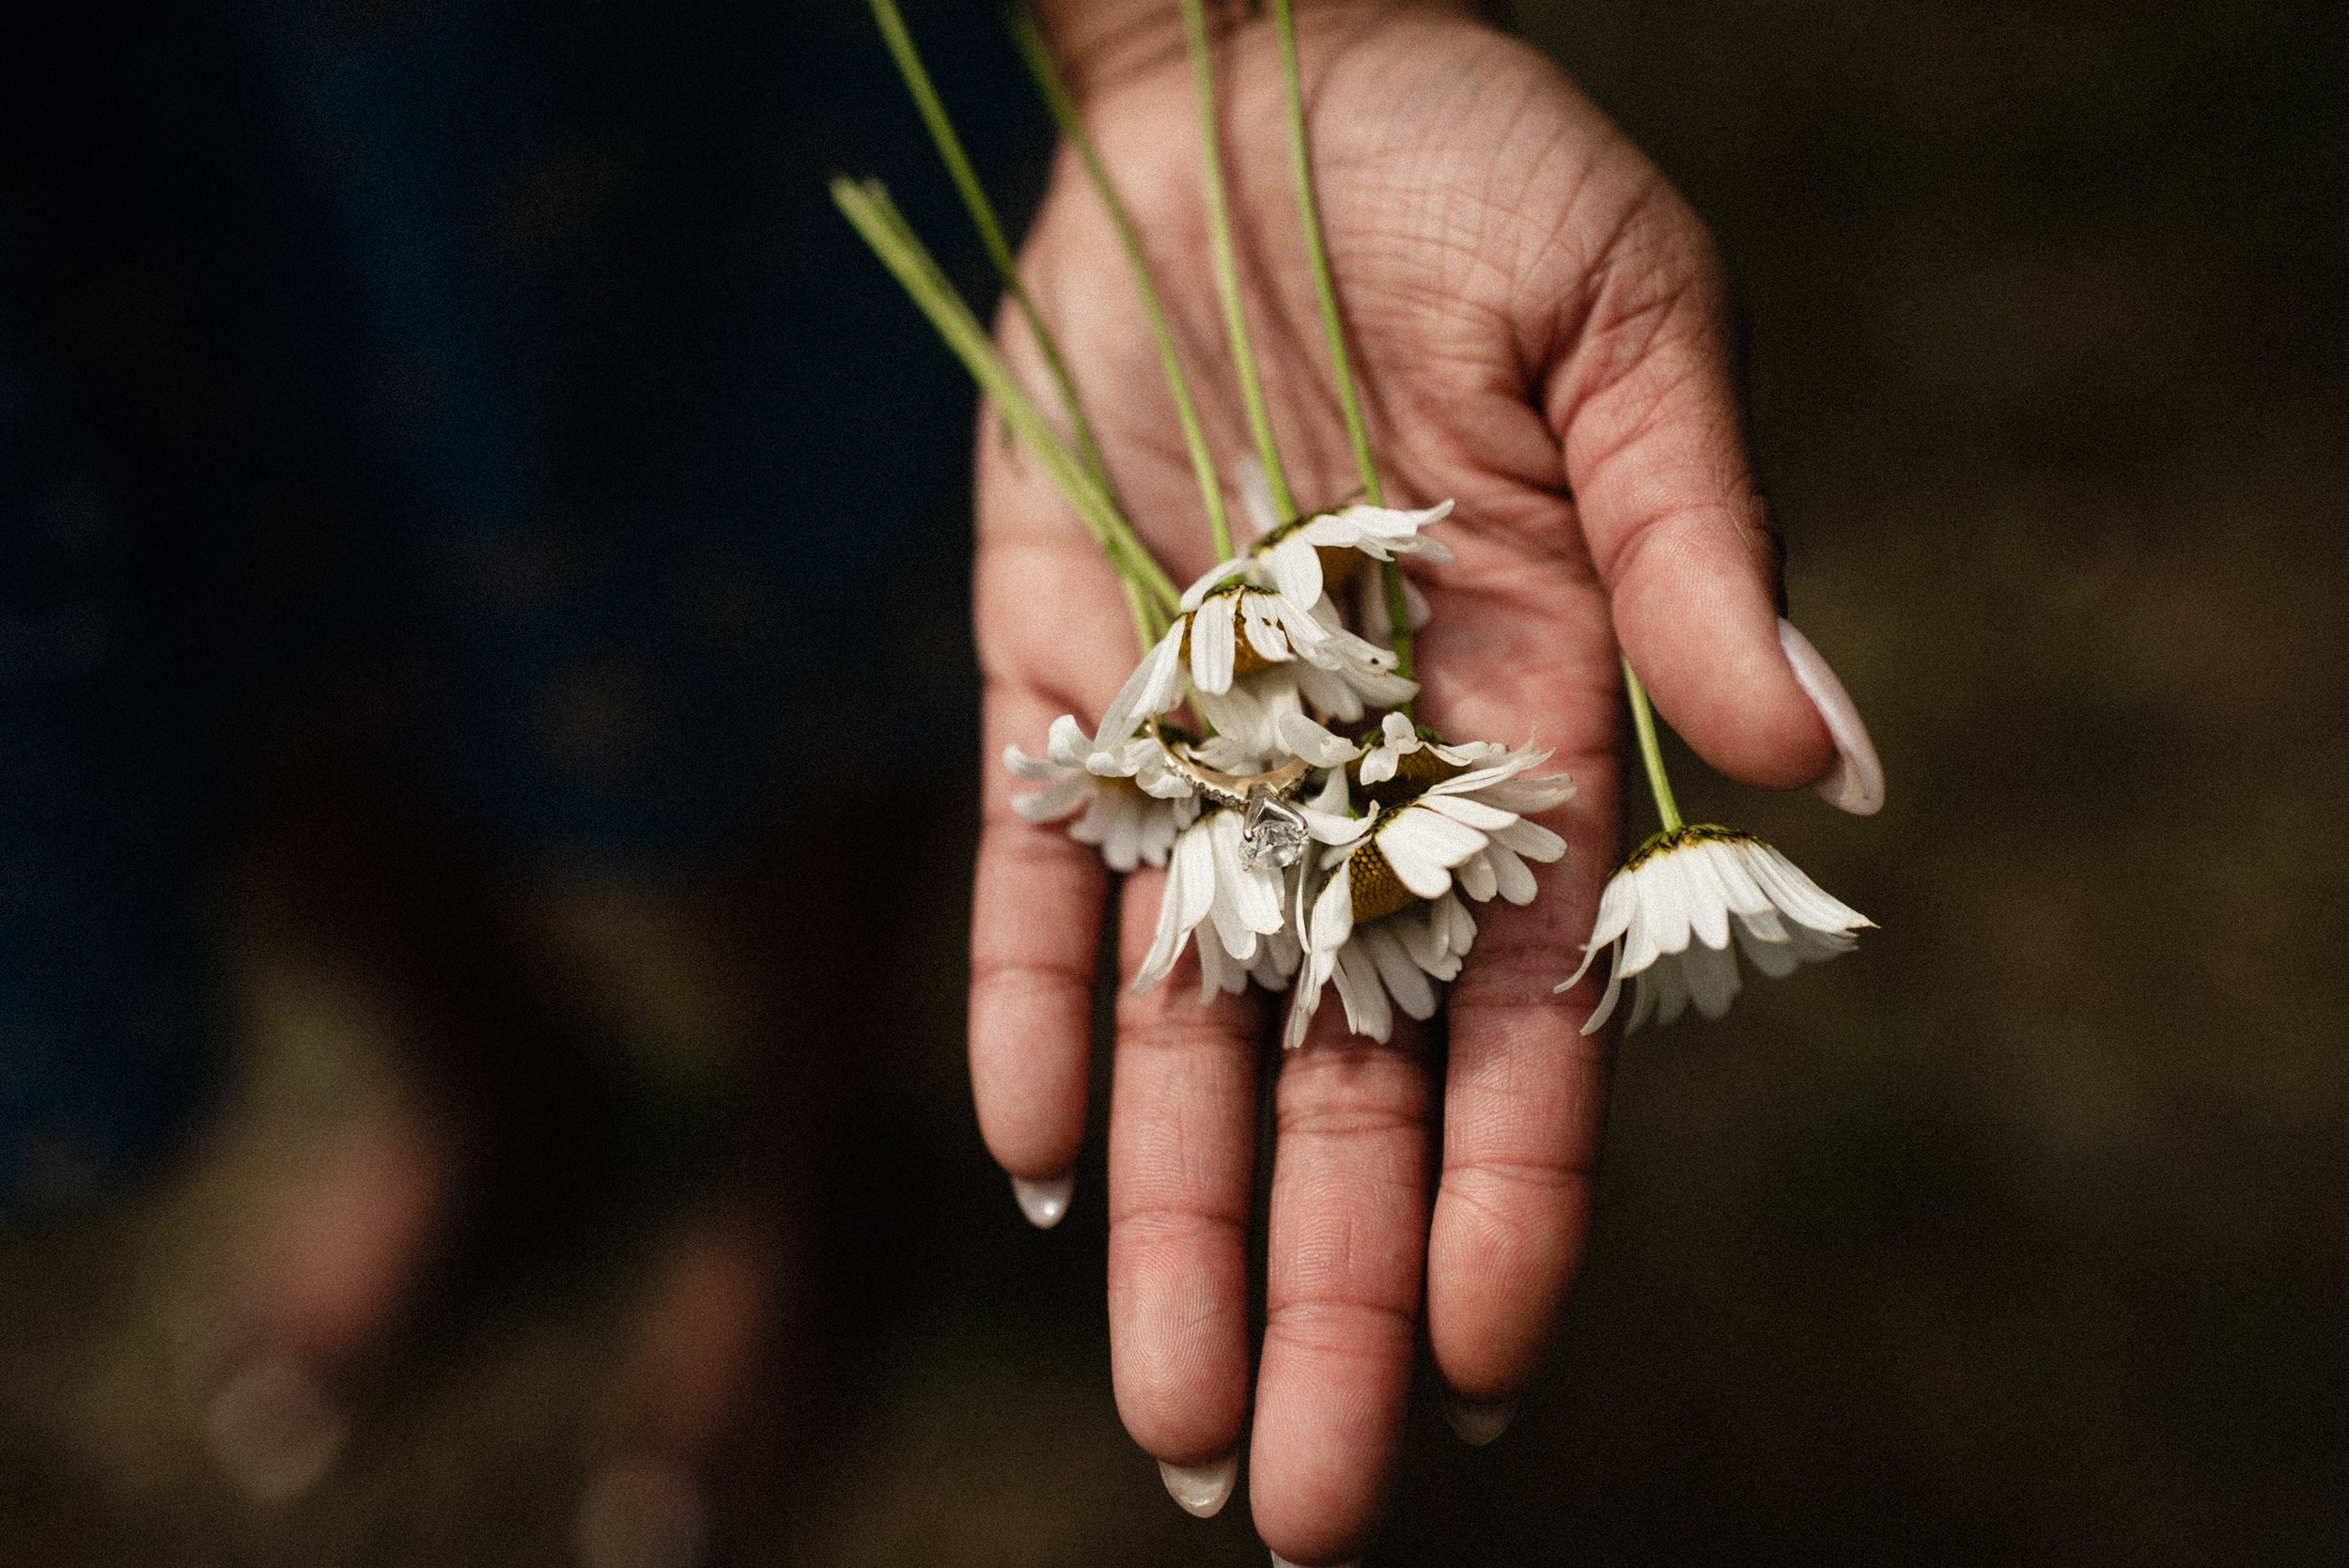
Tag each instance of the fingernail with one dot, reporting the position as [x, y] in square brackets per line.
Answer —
[642, 1512]
[1201, 1489]
[1855, 783]
[273, 1429]
[1046, 1202]
[1477, 1424]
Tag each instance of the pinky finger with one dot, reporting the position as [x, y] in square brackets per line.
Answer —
[1035, 923]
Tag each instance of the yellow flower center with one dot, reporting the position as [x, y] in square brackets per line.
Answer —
[1414, 771]
[1695, 832]
[1377, 890]
[1338, 567]
[1246, 661]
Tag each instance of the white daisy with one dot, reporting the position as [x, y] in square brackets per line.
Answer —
[1400, 954]
[1387, 920]
[1667, 916]
[1245, 656]
[1256, 655]
[1258, 635]
[1211, 881]
[1303, 559]
[1475, 788]
[1131, 812]
[1398, 737]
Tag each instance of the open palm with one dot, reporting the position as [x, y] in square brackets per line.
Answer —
[1540, 329]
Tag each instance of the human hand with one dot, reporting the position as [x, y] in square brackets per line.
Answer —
[1541, 328]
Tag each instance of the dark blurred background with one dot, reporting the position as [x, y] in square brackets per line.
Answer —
[482, 1060]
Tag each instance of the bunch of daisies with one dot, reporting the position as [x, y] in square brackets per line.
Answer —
[1296, 851]
[1264, 750]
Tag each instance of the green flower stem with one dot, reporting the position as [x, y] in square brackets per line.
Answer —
[1038, 55]
[933, 292]
[1398, 624]
[1149, 626]
[1651, 749]
[917, 80]
[1226, 265]
[867, 207]
[1332, 325]
[903, 252]
[1317, 253]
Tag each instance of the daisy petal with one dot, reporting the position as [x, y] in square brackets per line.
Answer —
[1711, 975]
[1660, 922]
[1513, 875]
[1366, 1010]
[1213, 646]
[1212, 579]
[1304, 739]
[1404, 979]
[1708, 898]
[1616, 905]
[1255, 493]
[1798, 894]
[1263, 629]
[1469, 812]
[1532, 841]
[1422, 846]
[1776, 959]
[1606, 1007]
[1054, 800]
[1476, 876]
[1155, 686]
[1296, 569]
[1745, 897]
[1190, 893]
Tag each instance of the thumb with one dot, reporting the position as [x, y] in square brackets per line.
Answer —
[1647, 409]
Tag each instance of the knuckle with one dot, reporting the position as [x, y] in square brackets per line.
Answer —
[1335, 1329]
[1544, 1177]
[1155, 1034]
[1015, 973]
[1171, 1227]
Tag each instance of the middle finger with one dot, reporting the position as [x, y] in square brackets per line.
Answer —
[1347, 1244]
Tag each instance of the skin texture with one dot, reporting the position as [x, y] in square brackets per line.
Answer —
[1543, 333]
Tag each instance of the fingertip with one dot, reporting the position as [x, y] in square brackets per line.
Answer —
[1029, 1068]
[1031, 1020]
[1036, 913]
[1664, 488]
[1699, 627]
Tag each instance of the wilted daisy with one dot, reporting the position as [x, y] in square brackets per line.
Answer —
[1132, 808]
[1257, 653]
[1259, 636]
[1305, 556]
[1387, 920]
[1213, 882]
[1671, 914]
[1287, 661]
